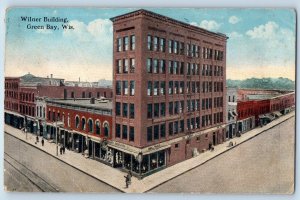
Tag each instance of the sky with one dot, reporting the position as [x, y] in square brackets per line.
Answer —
[261, 41]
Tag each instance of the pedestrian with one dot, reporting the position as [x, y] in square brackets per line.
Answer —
[63, 149]
[127, 180]
[60, 150]
[37, 139]
[42, 141]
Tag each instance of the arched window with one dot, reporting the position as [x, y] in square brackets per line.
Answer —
[98, 129]
[77, 122]
[90, 125]
[83, 123]
[106, 129]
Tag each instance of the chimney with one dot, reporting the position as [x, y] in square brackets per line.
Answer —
[51, 75]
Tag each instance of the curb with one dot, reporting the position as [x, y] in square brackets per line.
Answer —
[64, 162]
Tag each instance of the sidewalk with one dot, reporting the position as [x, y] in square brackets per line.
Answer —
[116, 179]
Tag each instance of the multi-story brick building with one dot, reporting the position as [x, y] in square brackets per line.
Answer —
[85, 125]
[169, 85]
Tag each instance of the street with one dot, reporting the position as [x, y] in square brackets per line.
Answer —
[52, 172]
[264, 164]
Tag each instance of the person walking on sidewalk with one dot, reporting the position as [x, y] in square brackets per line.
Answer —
[60, 150]
[128, 179]
[37, 139]
[63, 149]
[42, 141]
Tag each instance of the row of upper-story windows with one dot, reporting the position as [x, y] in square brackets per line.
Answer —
[122, 132]
[40, 111]
[125, 66]
[122, 88]
[91, 126]
[126, 43]
[155, 43]
[27, 97]
[11, 106]
[156, 88]
[156, 66]
[158, 131]
[155, 110]
[231, 99]
[27, 110]
[125, 110]
[11, 94]
[11, 85]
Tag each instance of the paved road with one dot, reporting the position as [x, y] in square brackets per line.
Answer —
[23, 161]
[264, 164]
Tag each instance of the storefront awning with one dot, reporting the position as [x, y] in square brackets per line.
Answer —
[154, 149]
[13, 113]
[125, 150]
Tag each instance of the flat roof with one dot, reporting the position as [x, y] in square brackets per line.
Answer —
[103, 104]
[165, 18]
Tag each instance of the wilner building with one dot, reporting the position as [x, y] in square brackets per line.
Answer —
[169, 85]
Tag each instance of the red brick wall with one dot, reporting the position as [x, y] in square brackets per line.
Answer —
[87, 115]
[11, 97]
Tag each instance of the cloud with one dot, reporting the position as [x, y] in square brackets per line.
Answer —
[264, 31]
[234, 34]
[209, 25]
[234, 19]
[99, 30]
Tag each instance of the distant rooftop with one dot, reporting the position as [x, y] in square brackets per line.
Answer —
[31, 80]
[103, 104]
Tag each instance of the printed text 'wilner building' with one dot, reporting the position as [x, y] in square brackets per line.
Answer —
[169, 91]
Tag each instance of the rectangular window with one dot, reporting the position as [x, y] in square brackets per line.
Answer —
[176, 127]
[162, 87]
[149, 134]
[125, 87]
[149, 88]
[119, 66]
[118, 87]
[132, 65]
[155, 88]
[119, 44]
[181, 126]
[170, 128]
[155, 44]
[156, 110]
[170, 46]
[170, 87]
[181, 48]
[125, 66]
[132, 42]
[131, 134]
[175, 47]
[131, 111]
[176, 107]
[149, 111]
[171, 67]
[162, 109]
[118, 130]
[162, 66]
[162, 44]
[126, 43]
[132, 88]
[149, 42]
[162, 130]
[125, 110]
[124, 132]
[118, 108]
[155, 66]
[170, 108]
[149, 65]
[156, 132]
